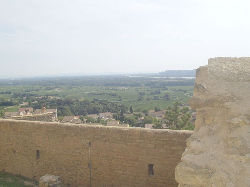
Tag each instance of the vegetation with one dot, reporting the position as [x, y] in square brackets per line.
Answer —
[121, 95]
[93, 120]
[67, 107]
[142, 93]
[179, 117]
[9, 180]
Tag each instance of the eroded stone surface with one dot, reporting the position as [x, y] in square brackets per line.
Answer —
[50, 181]
[218, 152]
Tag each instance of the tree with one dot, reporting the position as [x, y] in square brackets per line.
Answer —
[185, 119]
[178, 117]
[157, 109]
[90, 119]
[148, 120]
[172, 114]
[157, 125]
[131, 120]
[119, 116]
[166, 97]
[1, 113]
[131, 109]
[145, 112]
[138, 115]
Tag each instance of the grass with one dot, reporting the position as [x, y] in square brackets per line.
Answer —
[11, 109]
[9, 180]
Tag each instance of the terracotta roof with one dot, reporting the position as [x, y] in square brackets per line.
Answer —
[30, 109]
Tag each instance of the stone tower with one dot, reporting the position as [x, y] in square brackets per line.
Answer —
[218, 152]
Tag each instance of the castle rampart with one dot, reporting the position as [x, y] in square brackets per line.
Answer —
[86, 154]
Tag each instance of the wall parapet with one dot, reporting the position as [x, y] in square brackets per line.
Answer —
[115, 156]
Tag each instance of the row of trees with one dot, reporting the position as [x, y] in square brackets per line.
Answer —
[177, 117]
[110, 81]
[76, 107]
[8, 103]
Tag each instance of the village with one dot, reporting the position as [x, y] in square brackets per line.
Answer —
[147, 119]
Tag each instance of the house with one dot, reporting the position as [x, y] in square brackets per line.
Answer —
[25, 111]
[24, 104]
[71, 119]
[159, 114]
[43, 110]
[106, 115]
[116, 123]
[10, 114]
[54, 111]
[21, 112]
[149, 126]
[128, 115]
[113, 123]
[164, 126]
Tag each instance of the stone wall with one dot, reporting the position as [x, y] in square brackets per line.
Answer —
[84, 154]
[218, 152]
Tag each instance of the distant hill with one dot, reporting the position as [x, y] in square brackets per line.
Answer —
[178, 73]
[169, 73]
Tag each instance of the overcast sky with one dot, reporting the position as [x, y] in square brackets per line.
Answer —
[49, 37]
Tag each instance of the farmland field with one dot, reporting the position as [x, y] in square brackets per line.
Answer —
[143, 93]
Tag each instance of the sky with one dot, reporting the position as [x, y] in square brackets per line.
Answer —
[68, 37]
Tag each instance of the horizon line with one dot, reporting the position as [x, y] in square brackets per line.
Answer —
[87, 74]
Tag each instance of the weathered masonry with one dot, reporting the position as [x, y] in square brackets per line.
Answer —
[218, 152]
[87, 155]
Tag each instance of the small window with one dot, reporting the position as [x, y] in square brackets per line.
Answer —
[151, 169]
[37, 154]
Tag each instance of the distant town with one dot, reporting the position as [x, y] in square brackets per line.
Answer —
[147, 119]
[139, 101]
